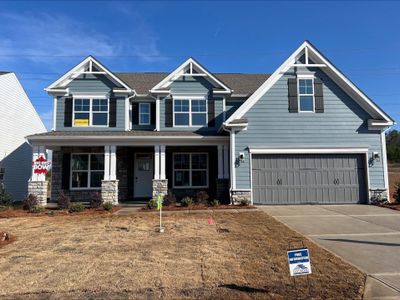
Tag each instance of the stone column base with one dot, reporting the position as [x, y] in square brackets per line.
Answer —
[160, 186]
[378, 195]
[238, 196]
[39, 189]
[109, 191]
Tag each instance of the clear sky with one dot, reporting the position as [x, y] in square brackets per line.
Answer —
[42, 40]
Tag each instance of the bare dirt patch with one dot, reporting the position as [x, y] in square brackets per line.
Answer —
[6, 238]
[241, 256]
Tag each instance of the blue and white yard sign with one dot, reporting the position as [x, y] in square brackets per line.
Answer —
[299, 262]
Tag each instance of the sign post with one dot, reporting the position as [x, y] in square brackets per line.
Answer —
[159, 207]
[299, 262]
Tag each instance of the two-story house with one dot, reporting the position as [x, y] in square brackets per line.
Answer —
[304, 133]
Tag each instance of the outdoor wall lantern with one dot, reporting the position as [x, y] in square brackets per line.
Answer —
[376, 157]
[241, 157]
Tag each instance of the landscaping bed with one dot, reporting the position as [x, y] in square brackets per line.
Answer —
[200, 207]
[237, 256]
[18, 212]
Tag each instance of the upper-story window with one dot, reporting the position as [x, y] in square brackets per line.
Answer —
[90, 112]
[2, 173]
[190, 112]
[306, 94]
[144, 113]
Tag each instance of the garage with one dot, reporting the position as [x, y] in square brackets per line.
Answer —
[309, 178]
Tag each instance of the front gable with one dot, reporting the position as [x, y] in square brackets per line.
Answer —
[307, 58]
[190, 71]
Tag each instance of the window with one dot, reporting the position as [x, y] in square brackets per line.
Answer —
[87, 170]
[190, 170]
[144, 113]
[306, 94]
[190, 112]
[2, 173]
[90, 112]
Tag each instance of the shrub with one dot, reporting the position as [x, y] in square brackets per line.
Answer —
[63, 201]
[152, 204]
[187, 201]
[95, 200]
[77, 207]
[202, 197]
[215, 202]
[37, 209]
[397, 192]
[5, 198]
[169, 199]
[29, 202]
[245, 202]
[108, 206]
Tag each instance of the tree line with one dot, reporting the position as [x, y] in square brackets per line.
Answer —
[393, 145]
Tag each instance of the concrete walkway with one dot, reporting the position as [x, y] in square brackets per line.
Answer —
[366, 236]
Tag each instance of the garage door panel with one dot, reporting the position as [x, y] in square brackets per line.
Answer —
[306, 178]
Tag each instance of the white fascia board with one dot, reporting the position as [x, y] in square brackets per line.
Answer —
[306, 150]
[179, 72]
[378, 124]
[57, 92]
[75, 71]
[152, 91]
[340, 79]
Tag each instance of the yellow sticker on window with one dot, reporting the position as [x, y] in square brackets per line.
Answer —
[81, 122]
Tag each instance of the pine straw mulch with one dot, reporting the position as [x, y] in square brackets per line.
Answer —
[17, 212]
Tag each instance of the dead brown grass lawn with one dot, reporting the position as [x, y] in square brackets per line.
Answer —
[242, 256]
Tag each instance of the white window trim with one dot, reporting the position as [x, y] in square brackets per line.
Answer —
[149, 113]
[88, 171]
[190, 171]
[190, 98]
[90, 98]
[305, 77]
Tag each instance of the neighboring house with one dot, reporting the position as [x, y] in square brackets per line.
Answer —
[18, 119]
[303, 134]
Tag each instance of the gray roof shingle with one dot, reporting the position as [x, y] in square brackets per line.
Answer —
[242, 84]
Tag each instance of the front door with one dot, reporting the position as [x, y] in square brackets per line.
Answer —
[143, 176]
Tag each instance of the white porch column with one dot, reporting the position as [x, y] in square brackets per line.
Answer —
[162, 162]
[226, 161]
[113, 162]
[220, 162]
[109, 185]
[157, 162]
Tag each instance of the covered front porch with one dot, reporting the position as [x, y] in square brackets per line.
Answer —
[137, 172]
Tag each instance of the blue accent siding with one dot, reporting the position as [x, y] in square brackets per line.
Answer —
[231, 106]
[89, 84]
[194, 86]
[343, 124]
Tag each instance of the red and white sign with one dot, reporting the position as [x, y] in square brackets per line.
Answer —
[41, 165]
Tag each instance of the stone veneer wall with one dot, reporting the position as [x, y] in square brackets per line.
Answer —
[160, 186]
[109, 191]
[238, 196]
[39, 189]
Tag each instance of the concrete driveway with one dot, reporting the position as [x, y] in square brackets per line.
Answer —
[366, 236]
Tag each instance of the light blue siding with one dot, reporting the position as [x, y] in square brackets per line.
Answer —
[195, 86]
[89, 84]
[343, 124]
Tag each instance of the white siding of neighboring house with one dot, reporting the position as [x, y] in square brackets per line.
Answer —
[18, 119]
